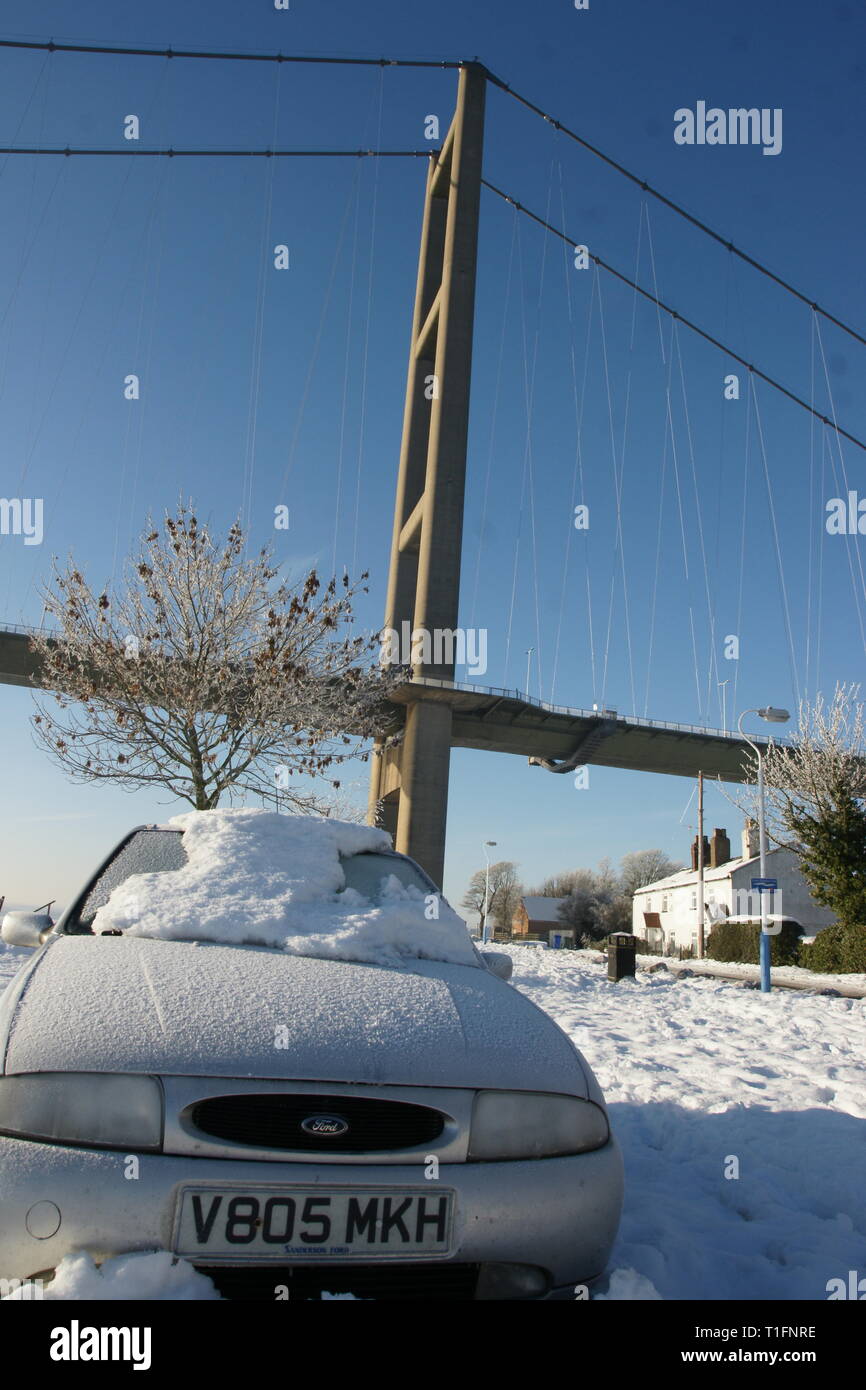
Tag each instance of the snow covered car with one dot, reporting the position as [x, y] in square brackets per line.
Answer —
[266, 1044]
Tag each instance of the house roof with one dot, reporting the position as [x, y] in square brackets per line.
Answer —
[687, 876]
[542, 909]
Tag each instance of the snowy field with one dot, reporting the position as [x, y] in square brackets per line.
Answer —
[697, 1072]
[10, 959]
[702, 1077]
[822, 983]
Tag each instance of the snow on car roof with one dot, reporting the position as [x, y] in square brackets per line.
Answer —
[260, 877]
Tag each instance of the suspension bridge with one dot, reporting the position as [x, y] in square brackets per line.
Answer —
[428, 547]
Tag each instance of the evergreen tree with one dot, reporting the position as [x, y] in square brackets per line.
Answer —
[816, 800]
[833, 855]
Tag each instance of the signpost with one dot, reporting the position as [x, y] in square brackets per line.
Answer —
[764, 885]
[700, 897]
[774, 716]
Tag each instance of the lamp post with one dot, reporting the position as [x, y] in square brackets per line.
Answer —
[773, 716]
[721, 685]
[484, 935]
[529, 652]
[701, 866]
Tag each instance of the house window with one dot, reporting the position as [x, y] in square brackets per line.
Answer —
[649, 904]
[665, 903]
[694, 898]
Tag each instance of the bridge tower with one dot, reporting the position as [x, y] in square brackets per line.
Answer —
[424, 578]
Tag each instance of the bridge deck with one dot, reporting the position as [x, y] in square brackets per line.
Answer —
[504, 721]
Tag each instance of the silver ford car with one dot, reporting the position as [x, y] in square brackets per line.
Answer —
[285, 1122]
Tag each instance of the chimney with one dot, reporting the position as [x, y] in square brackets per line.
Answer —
[695, 853]
[751, 842]
[720, 849]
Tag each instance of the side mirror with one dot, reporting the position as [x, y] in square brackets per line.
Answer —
[25, 928]
[498, 963]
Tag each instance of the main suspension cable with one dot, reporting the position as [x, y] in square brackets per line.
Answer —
[172, 153]
[680, 318]
[444, 64]
[235, 56]
[677, 208]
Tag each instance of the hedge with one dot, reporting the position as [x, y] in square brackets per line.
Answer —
[836, 951]
[740, 941]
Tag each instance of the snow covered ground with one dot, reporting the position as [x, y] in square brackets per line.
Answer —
[793, 975]
[10, 959]
[703, 1078]
[697, 1073]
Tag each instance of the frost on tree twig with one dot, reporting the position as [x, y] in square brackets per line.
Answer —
[824, 762]
[208, 675]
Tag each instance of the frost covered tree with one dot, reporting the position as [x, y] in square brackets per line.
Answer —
[508, 894]
[597, 901]
[595, 907]
[816, 800]
[505, 892]
[562, 884]
[206, 674]
[580, 911]
[475, 896]
[645, 866]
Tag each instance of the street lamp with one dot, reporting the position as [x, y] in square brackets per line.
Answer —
[484, 935]
[721, 685]
[773, 716]
[529, 652]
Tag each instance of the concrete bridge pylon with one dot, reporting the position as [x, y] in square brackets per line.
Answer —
[411, 779]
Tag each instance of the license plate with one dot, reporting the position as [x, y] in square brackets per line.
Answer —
[288, 1224]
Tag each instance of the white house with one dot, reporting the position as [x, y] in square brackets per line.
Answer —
[665, 913]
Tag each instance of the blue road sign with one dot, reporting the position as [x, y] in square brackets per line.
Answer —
[764, 885]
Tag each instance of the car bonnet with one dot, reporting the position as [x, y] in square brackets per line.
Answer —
[107, 1004]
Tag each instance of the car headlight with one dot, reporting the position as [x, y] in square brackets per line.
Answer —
[107, 1112]
[527, 1124]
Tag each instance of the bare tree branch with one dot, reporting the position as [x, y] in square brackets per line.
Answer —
[206, 674]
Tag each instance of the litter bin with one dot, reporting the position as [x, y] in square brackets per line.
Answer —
[621, 948]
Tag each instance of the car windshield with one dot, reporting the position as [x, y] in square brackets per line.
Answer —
[145, 852]
[367, 873]
[156, 851]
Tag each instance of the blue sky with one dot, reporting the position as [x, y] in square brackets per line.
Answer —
[262, 387]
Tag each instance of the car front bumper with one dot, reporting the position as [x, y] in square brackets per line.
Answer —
[557, 1214]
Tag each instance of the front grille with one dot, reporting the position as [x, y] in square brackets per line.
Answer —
[273, 1121]
[391, 1282]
